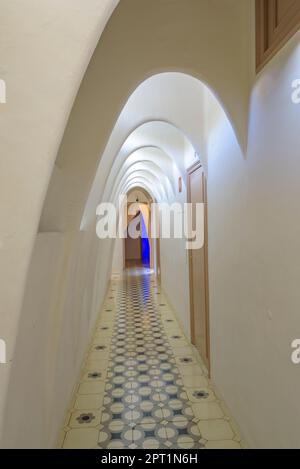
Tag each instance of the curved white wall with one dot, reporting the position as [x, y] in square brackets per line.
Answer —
[45, 49]
[254, 255]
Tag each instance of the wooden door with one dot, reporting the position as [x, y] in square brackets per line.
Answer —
[133, 247]
[198, 267]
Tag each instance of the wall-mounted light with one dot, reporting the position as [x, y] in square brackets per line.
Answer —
[180, 184]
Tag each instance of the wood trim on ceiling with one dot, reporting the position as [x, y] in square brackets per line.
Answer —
[274, 27]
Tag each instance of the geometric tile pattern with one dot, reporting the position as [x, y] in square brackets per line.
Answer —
[146, 403]
[142, 385]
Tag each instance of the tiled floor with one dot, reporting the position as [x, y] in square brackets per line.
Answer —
[142, 386]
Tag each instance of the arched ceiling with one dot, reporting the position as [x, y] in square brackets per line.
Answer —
[180, 106]
[140, 193]
[156, 141]
[142, 39]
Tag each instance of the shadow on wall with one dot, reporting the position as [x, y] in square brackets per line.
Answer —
[133, 38]
[61, 304]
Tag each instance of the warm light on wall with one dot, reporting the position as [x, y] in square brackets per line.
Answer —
[2, 92]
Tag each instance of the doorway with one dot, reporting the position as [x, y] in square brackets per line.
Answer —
[137, 250]
[198, 269]
[137, 247]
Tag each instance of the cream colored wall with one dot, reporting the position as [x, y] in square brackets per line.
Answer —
[45, 49]
[118, 257]
[175, 271]
[61, 304]
[128, 53]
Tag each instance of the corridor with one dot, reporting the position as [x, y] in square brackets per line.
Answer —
[142, 385]
[149, 237]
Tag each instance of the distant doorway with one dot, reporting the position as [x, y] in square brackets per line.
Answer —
[138, 250]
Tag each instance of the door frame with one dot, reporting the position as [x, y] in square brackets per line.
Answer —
[153, 243]
[124, 243]
[207, 360]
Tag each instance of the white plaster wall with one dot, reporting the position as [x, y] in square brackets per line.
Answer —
[175, 271]
[175, 280]
[254, 259]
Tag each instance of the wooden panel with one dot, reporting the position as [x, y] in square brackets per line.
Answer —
[198, 265]
[133, 247]
[283, 6]
[276, 22]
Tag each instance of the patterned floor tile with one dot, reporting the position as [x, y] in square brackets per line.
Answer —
[81, 438]
[216, 430]
[225, 444]
[195, 381]
[207, 411]
[89, 401]
[85, 418]
[142, 386]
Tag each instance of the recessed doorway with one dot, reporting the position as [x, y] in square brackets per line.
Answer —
[141, 251]
[198, 269]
